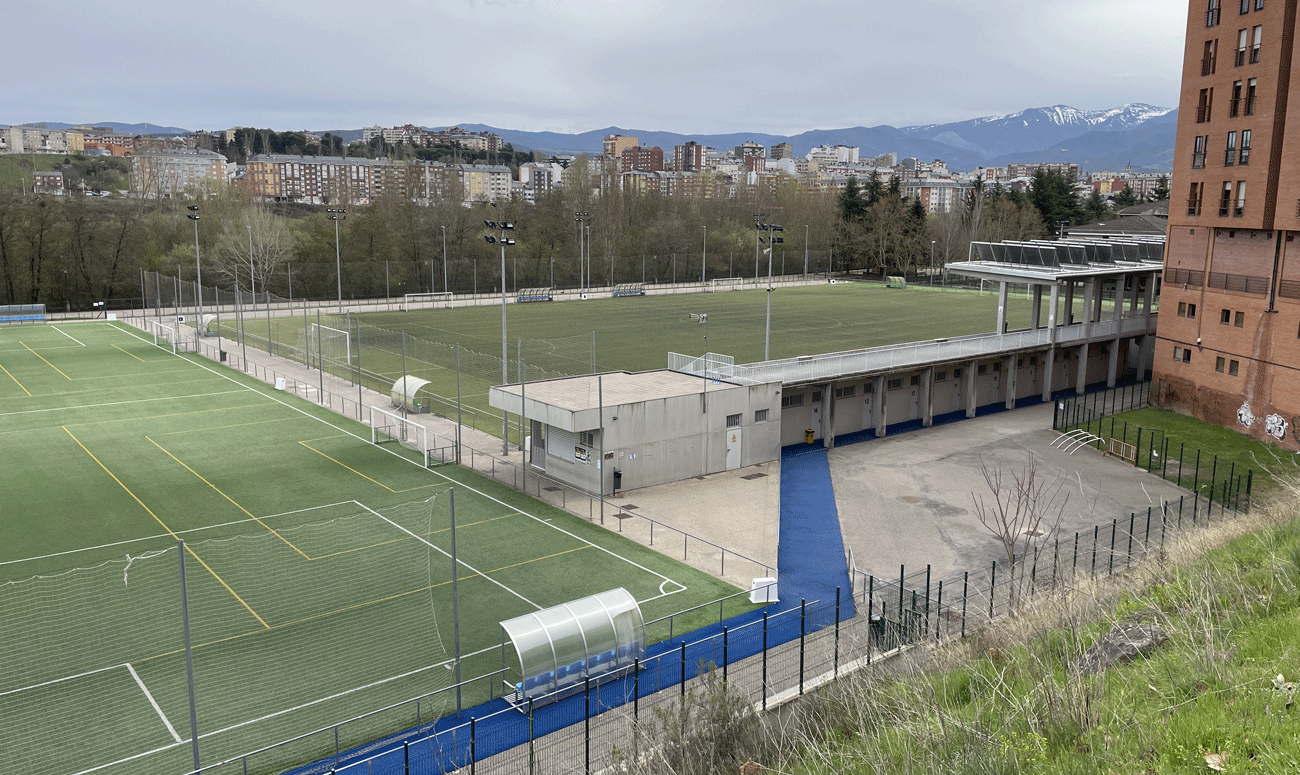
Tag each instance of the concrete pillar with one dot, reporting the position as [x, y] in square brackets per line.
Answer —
[1081, 375]
[1119, 299]
[828, 416]
[1069, 302]
[926, 399]
[1051, 312]
[878, 411]
[971, 368]
[1100, 295]
[1148, 296]
[1009, 365]
[1034, 312]
[1002, 307]
[1133, 294]
[1049, 366]
[1112, 369]
[1089, 293]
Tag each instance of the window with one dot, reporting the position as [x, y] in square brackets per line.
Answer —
[1230, 150]
[1225, 199]
[1244, 158]
[1219, 364]
[1245, 6]
[997, 365]
[1239, 208]
[733, 421]
[1234, 105]
[1208, 57]
[1249, 106]
[791, 401]
[1204, 104]
[1233, 367]
[1225, 317]
[981, 369]
[760, 415]
[895, 384]
[1259, 5]
[817, 397]
[1194, 199]
[1257, 37]
[1186, 310]
[1198, 151]
[956, 373]
[846, 392]
[1183, 354]
[1242, 39]
[586, 438]
[941, 376]
[1212, 13]
[1239, 320]
[915, 380]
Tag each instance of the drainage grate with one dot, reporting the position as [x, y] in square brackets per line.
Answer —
[551, 489]
[630, 507]
[753, 476]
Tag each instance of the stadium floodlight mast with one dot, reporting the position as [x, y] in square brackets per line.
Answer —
[198, 269]
[337, 215]
[771, 241]
[503, 227]
[252, 270]
[445, 287]
[704, 255]
[581, 219]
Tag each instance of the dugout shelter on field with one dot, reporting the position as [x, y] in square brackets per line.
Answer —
[652, 427]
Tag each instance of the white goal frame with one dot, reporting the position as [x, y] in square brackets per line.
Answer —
[315, 343]
[435, 299]
[165, 333]
[391, 426]
[726, 284]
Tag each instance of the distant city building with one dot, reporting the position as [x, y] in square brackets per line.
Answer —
[1068, 170]
[39, 139]
[938, 195]
[689, 157]
[642, 159]
[164, 174]
[782, 151]
[47, 182]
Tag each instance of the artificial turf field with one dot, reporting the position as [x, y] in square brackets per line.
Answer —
[317, 566]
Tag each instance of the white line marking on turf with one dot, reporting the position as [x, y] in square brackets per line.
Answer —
[327, 423]
[120, 403]
[70, 336]
[445, 554]
[153, 702]
[60, 680]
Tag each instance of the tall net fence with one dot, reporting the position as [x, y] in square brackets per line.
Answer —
[295, 622]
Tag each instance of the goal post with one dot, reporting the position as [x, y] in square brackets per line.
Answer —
[725, 283]
[163, 336]
[390, 427]
[331, 345]
[426, 300]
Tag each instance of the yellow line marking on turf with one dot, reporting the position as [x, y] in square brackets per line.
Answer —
[148, 510]
[368, 479]
[428, 535]
[47, 363]
[133, 355]
[227, 497]
[16, 382]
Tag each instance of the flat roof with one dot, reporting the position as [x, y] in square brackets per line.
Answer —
[589, 391]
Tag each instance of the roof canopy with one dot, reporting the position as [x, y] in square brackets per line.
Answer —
[405, 390]
[562, 645]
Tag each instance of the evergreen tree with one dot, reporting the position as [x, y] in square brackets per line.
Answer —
[1161, 192]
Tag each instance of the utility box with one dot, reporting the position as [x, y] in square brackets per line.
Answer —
[618, 479]
[763, 590]
[807, 435]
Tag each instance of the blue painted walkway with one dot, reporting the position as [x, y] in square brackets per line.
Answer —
[810, 557]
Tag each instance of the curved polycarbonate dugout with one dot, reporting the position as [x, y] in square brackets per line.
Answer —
[586, 637]
[405, 390]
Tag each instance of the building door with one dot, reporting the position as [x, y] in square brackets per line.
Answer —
[733, 448]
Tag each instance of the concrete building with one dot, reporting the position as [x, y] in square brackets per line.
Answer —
[782, 151]
[38, 139]
[653, 427]
[1229, 345]
[938, 195]
[164, 174]
[639, 158]
[689, 157]
[612, 146]
[47, 182]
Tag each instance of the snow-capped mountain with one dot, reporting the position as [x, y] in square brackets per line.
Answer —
[1035, 128]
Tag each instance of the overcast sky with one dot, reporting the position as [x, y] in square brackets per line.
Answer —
[689, 66]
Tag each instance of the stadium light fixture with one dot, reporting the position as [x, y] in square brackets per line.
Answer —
[198, 269]
[337, 215]
[503, 241]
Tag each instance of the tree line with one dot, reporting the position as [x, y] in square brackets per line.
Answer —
[68, 252]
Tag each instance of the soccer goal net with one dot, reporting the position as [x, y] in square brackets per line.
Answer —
[412, 301]
[330, 346]
[725, 284]
[163, 336]
[392, 428]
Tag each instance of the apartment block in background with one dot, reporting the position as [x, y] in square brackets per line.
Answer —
[1228, 347]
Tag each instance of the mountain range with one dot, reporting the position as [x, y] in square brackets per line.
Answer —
[1134, 134]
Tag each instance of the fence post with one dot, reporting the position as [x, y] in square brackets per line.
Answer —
[764, 686]
[1110, 563]
[473, 746]
[1095, 532]
[1250, 475]
[1056, 557]
[993, 577]
[406, 756]
[683, 691]
[586, 722]
[725, 658]
[636, 689]
[965, 586]
[1214, 473]
[926, 629]
[532, 757]
[1137, 448]
[938, 617]
[1074, 569]
[900, 594]
[871, 594]
[1164, 459]
[803, 629]
[1196, 475]
[1131, 518]
[835, 670]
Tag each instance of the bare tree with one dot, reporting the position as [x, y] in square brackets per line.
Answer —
[270, 241]
[1020, 510]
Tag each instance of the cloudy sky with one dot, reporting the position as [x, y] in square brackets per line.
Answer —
[689, 66]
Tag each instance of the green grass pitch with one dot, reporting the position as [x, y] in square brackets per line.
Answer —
[317, 565]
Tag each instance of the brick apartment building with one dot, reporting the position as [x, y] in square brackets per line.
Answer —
[1228, 347]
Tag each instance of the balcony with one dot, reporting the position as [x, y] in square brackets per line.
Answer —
[1239, 210]
[1194, 206]
[1244, 158]
[1240, 58]
[1207, 65]
[1229, 157]
[1202, 114]
[1198, 160]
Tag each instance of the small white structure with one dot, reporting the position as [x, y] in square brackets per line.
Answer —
[405, 394]
[651, 427]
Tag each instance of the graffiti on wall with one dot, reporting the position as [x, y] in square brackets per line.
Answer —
[1245, 416]
[1275, 425]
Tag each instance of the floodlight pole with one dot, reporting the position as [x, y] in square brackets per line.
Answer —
[931, 263]
[455, 595]
[805, 251]
[252, 271]
[582, 266]
[198, 270]
[337, 215]
[189, 655]
[503, 227]
[772, 241]
[704, 256]
[445, 287]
